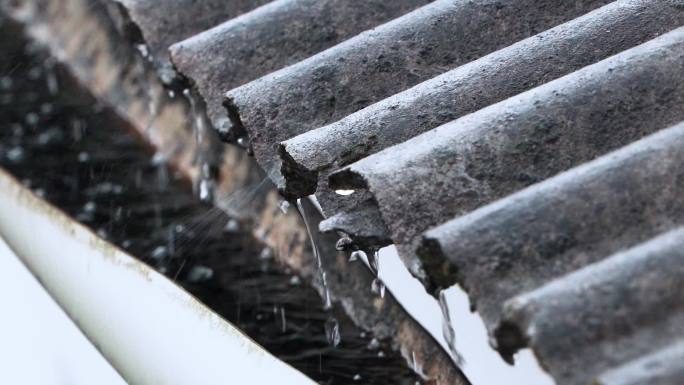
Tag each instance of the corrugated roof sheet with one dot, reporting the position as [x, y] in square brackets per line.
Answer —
[520, 148]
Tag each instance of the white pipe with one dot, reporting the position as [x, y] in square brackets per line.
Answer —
[147, 327]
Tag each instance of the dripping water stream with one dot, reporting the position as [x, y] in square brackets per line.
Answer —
[79, 158]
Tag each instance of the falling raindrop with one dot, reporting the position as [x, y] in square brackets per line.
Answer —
[159, 253]
[232, 226]
[32, 118]
[89, 207]
[266, 254]
[284, 206]
[199, 274]
[356, 255]
[332, 331]
[6, 83]
[374, 344]
[15, 154]
[205, 190]
[52, 84]
[243, 142]
[295, 280]
[357, 377]
[83, 157]
[283, 320]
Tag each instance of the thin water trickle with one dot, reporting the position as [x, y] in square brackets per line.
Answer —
[317, 255]
[448, 330]
[332, 331]
[223, 271]
[283, 320]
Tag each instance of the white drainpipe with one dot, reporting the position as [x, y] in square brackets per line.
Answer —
[149, 329]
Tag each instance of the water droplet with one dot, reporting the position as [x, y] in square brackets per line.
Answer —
[83, 157]
[332, 331]
[381, 354]
[243, 142]
[374, 262]
[39, 192]
[205, 190]
[15, 154]
[295, 280]
[45, 108]
[52, 84]
[6, 83]
[284, 206]
[199, 274]
[172, 94]
[266, 254]
[144, 51]
[232, 226]
[102, 233]
[374, 344]
[179, 228]
[344, 192]
[357, 377]
[126, 243]
[89, 207]
[378, 288]
[344, 243]
[32, 118]
[160, 253]
[283, 320]
[77, 129]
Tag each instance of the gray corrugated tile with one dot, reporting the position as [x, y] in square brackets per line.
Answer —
[271, 37]
[537, 235]
[664, 367]
[383, 61]
[503, 148]
[605, 314]
[164, 22]
[504, 73]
